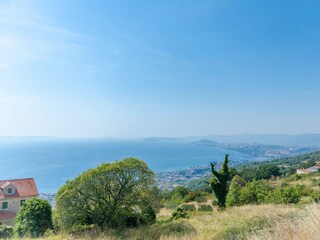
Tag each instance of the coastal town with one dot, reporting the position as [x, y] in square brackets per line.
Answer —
[169, 180]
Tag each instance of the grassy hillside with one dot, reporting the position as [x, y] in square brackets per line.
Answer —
[269, 222]
[261, 222]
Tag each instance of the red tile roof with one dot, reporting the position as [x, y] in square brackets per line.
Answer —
[4, 215]
[5, 184]
[24, 188]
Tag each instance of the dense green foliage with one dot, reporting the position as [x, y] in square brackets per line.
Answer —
[180, 195]
[189, 207]
[265, 171]
[116, 194]
[33, 219]
[6, 232]
[262, 191]
[172, 199]
[281, 167]
[196, 196]
[200, 184]
[219, 182]
[256, 183]
[233, 197]
[179, 213]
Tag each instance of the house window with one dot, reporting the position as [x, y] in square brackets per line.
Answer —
[4, 205]
[9, 190]
[22, 202]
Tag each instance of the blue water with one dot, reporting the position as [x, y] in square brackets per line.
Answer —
[52, 162]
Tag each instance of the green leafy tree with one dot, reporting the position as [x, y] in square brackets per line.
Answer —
[264, 171]
[200, 184]
[267, 171]
[256, 192]
[198, 196]
[178, 194]
[33, 219]
[248, 194]
[181, 191]
[233, 197]
[219, 182]
[113, 194]
[287, 194]
[308, 164]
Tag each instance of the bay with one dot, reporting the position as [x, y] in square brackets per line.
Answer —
[53, 161]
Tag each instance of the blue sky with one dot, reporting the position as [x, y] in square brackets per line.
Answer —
[78, 68]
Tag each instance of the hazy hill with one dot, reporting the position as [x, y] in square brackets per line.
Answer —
[305, 139]
[268, 139]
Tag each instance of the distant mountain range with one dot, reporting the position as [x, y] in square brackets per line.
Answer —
[305, 139]
[266, 146]
[259, 150]
[269, 139]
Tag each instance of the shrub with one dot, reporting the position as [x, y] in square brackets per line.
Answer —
[175, 229]
[198, 196]
[295, 177]
[316, 199]
[145, 217]
[200, 199]
[255, 192]
[179, 214]
[33, 219]
[240, 232]
[181, 191]
[178, 194]
[287, 194]
[6, 232]
[214, 202]
[233, 197]
[188, 207]
[205, 208]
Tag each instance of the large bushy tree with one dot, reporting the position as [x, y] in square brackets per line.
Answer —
[33, 219]
[233, 197]
[219, 182]
[113, 194]
[264, 171]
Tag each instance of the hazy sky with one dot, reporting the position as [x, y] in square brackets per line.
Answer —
[159, 68]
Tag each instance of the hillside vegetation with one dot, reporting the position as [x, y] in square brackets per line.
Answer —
[257, 201]
[263, 222]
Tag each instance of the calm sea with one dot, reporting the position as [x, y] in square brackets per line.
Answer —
[52, 162]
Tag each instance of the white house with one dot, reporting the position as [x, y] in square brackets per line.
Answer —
[308, 170]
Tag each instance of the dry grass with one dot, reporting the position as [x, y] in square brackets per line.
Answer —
[259, 222]
[304, 225]
[213, 226]
[309, 180]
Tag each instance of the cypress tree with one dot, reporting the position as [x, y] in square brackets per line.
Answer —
[219, 182]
